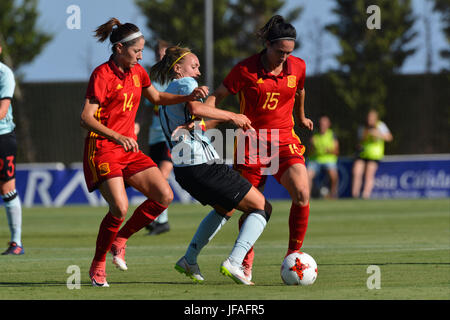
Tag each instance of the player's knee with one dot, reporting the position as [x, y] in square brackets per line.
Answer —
[301, 196]
[166, 197]
[119, 209]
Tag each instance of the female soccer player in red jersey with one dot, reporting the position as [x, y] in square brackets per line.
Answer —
[112, 156]
[270, 88]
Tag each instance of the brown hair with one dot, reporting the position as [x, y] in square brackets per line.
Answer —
[159, 45]
[162, 72]
[275, 29]
[116, 31]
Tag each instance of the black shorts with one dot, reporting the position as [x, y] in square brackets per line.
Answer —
[8, 153]
[159, 152]
[368, 160]
[213, 184]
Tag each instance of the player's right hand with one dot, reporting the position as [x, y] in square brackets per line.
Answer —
[242, 122]
[128, 143]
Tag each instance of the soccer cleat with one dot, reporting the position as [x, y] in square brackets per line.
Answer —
[14, 249]
[190, 270]
[157, 228]
[234, 272]
[98, 277]
[119, 256]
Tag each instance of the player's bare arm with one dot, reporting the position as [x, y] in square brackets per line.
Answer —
[164, 98]
[299, 110]
[203, 110]
[89, 122]
[214, 100]
[4, 105]
[218, 96]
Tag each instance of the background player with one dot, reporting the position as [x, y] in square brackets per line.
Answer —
[8, 152]
[323, 153]
[112, 156]
[372, 136]
[270, 85]
[197, 169]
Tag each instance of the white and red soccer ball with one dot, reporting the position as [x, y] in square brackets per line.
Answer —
[299, 268]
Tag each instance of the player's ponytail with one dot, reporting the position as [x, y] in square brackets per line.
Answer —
[163, 71]
[118, 33]
[277, 29]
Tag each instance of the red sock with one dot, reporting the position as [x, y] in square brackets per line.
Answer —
[107, 233]
[148, 211]
[298, 223]
[248, 259]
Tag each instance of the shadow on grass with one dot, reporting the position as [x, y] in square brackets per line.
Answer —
[385, 263]
[88, 284]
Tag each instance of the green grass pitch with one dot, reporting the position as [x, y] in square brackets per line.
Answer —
[409, 240]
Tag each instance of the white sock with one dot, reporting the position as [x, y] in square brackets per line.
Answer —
[14, 216]
[250, 231]
[163, 217]
[207, 229]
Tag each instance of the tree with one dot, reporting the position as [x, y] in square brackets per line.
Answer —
[443, 6]
[369, 57]
[19, 35]
[21, 42]
[235, 23]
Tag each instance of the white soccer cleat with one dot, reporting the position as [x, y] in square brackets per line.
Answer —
[120, 263]
[190, 270]
[234, 272]
[98, 277]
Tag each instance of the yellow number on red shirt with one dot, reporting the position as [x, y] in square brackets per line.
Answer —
[128, 103]
[294, 149]
[271, 101]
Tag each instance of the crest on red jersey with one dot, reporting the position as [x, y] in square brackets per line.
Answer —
[291, 81]
[136, 81]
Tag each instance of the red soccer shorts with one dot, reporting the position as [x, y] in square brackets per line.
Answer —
[101, 164]
[287, 156]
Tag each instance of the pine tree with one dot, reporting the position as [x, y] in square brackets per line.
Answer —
[369, 56]
[443, 6]
[21, 42]
[20, 38]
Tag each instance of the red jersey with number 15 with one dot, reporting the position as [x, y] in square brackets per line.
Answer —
[268, 100]
[118, 94]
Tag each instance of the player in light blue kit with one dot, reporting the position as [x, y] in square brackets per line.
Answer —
[8, 152]
[199, 170]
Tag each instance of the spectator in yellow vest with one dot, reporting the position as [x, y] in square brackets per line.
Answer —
[324, 149]
[372, 137]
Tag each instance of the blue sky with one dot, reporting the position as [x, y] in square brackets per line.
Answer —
[73, 53]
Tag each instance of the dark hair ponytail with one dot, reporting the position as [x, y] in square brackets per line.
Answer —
[277, 29]
[116, 31]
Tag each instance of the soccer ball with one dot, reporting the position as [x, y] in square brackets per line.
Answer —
[299, 268]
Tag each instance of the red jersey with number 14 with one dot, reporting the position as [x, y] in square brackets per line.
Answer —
[268, 100]
[118, 94]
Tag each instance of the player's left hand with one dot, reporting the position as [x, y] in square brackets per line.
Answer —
[307, 123]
